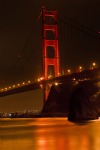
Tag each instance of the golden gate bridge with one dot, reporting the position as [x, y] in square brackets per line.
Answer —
[53, 72]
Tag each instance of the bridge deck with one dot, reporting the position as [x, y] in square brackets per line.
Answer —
[87, 74]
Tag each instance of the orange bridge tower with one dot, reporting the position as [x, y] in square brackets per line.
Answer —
[50, 45]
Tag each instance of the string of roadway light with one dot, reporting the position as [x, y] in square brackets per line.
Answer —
[23, 84]
[15, 86]
[80, 69]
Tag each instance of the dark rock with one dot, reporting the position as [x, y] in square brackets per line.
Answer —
[77, 100]
[83, 101]
[58, 99]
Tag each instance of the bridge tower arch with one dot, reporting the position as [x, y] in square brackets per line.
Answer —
[52, 26]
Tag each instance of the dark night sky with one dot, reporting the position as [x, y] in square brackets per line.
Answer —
[20, 35]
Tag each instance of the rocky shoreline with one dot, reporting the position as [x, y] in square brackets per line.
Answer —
[77, 100]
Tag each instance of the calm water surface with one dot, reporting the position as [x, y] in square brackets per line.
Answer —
[49, 134]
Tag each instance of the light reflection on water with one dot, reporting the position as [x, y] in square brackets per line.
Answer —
[49, 134]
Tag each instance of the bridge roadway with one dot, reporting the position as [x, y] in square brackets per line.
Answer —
[84, 75]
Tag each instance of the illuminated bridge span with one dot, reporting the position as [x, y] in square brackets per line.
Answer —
[76, 77]
[54, 68]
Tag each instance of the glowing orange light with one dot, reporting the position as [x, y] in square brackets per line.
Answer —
[38, 80]
[74, 79]
[41, 85]
[56, 83]
[94, 64]
[69, 71]
[14, 86]
[41, 78]
[29, 81]
[80, 68]
[50, 76]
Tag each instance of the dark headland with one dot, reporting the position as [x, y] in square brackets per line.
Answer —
[77, 99]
